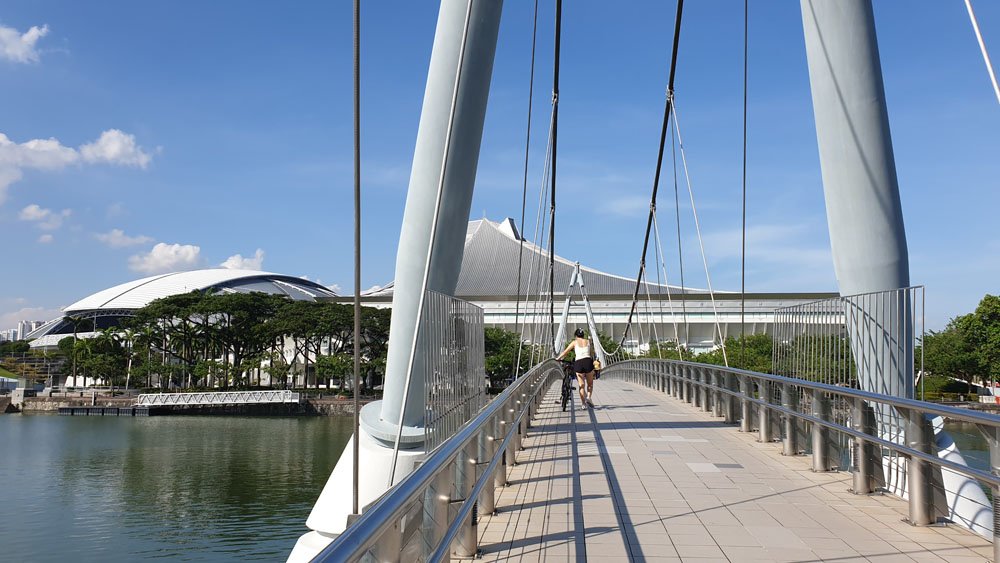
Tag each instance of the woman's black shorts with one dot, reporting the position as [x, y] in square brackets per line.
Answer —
[583, 365]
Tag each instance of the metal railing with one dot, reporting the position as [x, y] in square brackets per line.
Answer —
[433, 513]
[216, 398]
[451, 331]
[749, 399]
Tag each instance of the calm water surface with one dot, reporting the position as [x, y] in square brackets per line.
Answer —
[176, 488]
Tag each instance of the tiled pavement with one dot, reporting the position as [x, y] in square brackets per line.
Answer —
[644, 477]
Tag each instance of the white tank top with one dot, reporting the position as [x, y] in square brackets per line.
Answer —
[581, 351]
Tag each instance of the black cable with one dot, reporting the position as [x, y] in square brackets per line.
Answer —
[552, 209]
[524, 195]
[659, 162]
[743, 253]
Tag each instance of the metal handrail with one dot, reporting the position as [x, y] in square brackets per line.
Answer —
[712, 387]
[965, 415]
[369, 530]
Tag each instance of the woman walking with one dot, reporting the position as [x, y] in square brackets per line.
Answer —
[583, 365]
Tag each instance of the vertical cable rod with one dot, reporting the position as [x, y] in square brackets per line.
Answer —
[524, 191]
[552, 209]
[357, 243]
[743, 252]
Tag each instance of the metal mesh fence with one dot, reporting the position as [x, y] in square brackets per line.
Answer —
[451, 331]
[864, 341]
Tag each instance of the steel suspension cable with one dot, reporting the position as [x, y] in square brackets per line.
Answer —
[701, 242]
[357, 245]
[659, 161]
[658, 247]
[555, 144]
[524, 188]
[743, 251]
[982, 47]
[680, 248]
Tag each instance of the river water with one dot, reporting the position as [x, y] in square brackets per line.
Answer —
[175, 488]
[178, 488]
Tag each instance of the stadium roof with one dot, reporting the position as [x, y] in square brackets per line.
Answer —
[139, 293]
[489, 268]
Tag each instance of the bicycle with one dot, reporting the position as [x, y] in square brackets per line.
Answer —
[567, 385]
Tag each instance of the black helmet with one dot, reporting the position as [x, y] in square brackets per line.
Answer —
[579, 333]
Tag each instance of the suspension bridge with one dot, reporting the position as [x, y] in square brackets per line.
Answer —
[829, 456]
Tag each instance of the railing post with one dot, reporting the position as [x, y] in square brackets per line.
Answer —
[790, 400]
[465, 544]
[706, 397]
[729, 402]
[861, 454]
[675, 382]
[992, 435]
[500, 477]
[764, 427]
[518, 426]
[508, 428]
[918, 473]
[745, 417]
[695, 376]
[528, 405]
[820, 434]
[689, 386]
[484, 454]
[717, 394]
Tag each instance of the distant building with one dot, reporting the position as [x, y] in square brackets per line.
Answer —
[488, 279]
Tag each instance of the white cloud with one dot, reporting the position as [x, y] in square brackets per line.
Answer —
[46, 219]
[113, 147]
[238, 262]
[20, 47]
[334, 288]
[116, 147]
[45, 239]
[116, 238]
[166, 258]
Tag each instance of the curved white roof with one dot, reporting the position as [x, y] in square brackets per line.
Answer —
[139, 293]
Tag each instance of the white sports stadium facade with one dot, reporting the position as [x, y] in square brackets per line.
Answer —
[489, 279]
[107, 308]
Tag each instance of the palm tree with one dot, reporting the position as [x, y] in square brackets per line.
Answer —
[76, 322]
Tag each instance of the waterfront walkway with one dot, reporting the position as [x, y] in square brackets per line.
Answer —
[644, 477]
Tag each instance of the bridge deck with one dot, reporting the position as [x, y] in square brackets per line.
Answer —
[644, 477]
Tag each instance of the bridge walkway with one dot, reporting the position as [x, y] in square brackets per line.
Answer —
[644, 477]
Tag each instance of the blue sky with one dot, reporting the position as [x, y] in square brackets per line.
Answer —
[144, 136]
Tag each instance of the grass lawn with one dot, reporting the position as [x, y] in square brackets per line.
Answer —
[5, 373]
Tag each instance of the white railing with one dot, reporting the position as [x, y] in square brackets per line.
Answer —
[217, 398]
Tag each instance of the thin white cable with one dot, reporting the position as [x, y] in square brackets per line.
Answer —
[666, 281]
[697, 226]
[531, 266]
[649, 306]
[982, 47]
[434, 223]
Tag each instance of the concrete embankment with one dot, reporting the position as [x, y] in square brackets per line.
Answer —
[309, 407]
[5, 406]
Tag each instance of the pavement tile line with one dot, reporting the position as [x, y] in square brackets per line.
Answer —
[597, 485]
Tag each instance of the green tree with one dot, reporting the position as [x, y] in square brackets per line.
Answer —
[952, 352]
[339, 366]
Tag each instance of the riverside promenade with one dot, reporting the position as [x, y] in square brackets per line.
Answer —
[644, 477]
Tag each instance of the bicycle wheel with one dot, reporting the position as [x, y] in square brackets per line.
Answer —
[565, 398]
